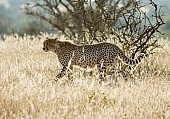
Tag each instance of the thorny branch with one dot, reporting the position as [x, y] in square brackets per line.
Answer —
[90, 21]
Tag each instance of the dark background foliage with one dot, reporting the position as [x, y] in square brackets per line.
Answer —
[12, 19]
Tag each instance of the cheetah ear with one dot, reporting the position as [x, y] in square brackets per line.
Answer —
[57, 43]
[47, 38]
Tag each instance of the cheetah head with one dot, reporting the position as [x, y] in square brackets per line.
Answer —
[50, 44]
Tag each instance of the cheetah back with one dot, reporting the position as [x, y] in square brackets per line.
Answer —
[91, 55]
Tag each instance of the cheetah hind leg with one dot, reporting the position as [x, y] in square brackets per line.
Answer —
[118, 72]
[122, 73]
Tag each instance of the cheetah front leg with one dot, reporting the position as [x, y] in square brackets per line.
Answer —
[70, 74]
[61, 74]
[102, 72]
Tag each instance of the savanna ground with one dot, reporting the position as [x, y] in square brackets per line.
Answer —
[27, 88]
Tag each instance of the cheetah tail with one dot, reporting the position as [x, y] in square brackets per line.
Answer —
[131, 61]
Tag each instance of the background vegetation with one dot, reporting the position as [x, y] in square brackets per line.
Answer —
[12, 16]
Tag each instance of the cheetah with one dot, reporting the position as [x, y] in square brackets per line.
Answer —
[102, 55]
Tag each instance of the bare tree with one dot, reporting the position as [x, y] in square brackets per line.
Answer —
[91, 21]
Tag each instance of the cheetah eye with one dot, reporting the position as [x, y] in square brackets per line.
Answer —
[47, 48]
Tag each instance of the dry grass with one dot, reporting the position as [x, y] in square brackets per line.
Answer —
[27, 89]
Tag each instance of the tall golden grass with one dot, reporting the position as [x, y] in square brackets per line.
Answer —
[27, 88]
